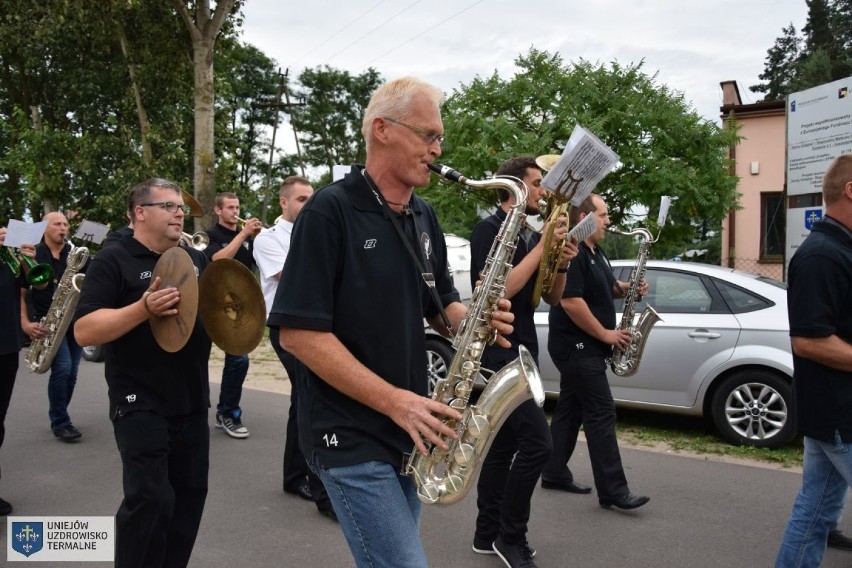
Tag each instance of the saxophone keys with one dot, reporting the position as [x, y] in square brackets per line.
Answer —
[464, 455]
[478, 426]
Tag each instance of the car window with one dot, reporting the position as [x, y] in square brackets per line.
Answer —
[739, 300]
[676, 292]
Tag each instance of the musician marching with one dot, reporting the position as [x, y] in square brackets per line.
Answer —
[53, 251]
[158, 399]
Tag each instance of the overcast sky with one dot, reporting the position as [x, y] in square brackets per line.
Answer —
[691, 45]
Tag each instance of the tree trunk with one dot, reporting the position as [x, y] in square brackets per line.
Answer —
[204, 160]
[144, 123]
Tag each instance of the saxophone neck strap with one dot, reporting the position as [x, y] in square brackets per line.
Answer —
[424, 266]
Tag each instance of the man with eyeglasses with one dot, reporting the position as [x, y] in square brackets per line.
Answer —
[351, 309]
[158, 399]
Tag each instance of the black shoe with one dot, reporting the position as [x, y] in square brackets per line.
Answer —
[328, 512]
[6, 508]
[486, 546]
[67, 433]
[836, 539]
[629, 501]
[569, 486]
[303, 490]
[514, 555]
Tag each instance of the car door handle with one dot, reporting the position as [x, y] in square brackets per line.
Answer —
[704, 334]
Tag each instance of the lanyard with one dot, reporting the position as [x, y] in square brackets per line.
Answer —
[420, 260]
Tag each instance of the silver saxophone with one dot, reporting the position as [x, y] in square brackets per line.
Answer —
[445, 476]
[55, 323]
[625, 361]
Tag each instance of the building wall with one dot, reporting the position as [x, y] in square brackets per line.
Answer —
[763, 141]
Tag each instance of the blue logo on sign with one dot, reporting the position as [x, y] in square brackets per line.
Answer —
[811, 217]
[27, 538]
[792, 106]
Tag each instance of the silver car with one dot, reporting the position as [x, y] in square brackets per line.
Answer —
[722, 351]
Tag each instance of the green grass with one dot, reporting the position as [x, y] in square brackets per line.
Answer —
[693, 435]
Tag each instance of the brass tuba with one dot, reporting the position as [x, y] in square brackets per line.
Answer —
[445, 476]
[55, 323]
[554, 207]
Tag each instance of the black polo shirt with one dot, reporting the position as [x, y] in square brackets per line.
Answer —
[140, 374]
[524, 334]
[41, 299]
[221, 237]
[115, 236]
[819, 304]
[590, 278]
[349, 273]
[10, 311]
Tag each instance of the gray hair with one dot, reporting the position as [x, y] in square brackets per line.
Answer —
[395, 99]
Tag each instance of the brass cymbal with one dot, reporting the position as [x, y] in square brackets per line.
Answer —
[195, 208]
[175, 269]
[231, 306]
[547, 161]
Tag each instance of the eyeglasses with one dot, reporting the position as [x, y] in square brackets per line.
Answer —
[169, 206]
[429, 136]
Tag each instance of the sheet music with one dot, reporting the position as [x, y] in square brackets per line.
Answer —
[584, 229]
[21, 233]
[91, 232]
[584, 163]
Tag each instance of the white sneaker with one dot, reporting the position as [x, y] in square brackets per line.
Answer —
[233, 427]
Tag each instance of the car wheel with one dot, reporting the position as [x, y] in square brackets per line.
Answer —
[754, 408]
[93, 353]
[439, 356]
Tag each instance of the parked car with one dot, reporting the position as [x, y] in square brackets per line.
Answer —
[721, 351]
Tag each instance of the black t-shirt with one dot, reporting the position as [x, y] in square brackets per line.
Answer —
[524, 334]
[140, 374]
[221, 237]
[10, 311]
[41, 299]
[115, 236]
[590, 278]
[819, 304]
[349, 273]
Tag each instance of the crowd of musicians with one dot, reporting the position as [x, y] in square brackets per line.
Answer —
[359, 398]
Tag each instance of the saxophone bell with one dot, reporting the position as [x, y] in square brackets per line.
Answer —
[198, 241]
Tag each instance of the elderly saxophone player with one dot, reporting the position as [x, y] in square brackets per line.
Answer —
[512, 466]
[582, 334]
[351, 310]
[54, 250]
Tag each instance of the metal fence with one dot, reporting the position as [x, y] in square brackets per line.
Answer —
[764, 268]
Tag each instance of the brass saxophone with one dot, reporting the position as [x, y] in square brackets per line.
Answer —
[625, 361]
[55, 323]
[445, 476]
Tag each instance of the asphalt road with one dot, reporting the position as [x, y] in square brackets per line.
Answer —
[702, 513]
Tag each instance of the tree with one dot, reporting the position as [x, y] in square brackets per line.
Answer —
[203, 31]
[329, 125]
[665, 147]
[823, 55]
[780, 67]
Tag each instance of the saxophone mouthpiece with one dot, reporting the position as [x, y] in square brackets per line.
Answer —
[448, 173]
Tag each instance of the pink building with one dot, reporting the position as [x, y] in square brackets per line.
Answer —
[753, 235]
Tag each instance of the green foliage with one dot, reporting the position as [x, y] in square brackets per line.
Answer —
[665, 148]
[329, 123]
[822, 55]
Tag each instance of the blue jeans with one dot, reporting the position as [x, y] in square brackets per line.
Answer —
[379, 513]
[826, 477]
[233, 376]
[63, 378]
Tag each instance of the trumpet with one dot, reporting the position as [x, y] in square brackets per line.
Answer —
[198, 241]
[36, 274]
[243, 222]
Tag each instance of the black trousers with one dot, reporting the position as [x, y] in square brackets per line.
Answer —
[585, 398]
[295, 466]
[509, 474]
[165, 463]
[8, 372]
